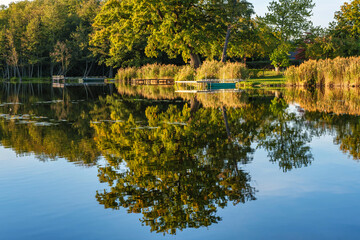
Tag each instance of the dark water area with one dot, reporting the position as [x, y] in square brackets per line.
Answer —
[119, 162]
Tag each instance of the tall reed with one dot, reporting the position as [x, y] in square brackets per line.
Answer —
[234, 70]
[219, 70]
[186, 73]
[328, 72]
[149, 71]
[208, 70]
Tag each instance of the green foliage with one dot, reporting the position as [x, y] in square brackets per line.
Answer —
[280, 56]
[31, 30]
[347, 20]
[289, 18]
[341, 39]
[285, 23]
[135, 27]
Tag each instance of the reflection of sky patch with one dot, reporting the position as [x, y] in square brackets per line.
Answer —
[329, 173]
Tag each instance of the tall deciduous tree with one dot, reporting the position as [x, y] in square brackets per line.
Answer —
[348, 19]
[238, 14]
[187, 28]
[289, 18]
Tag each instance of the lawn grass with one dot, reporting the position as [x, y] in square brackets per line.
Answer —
[266, 79]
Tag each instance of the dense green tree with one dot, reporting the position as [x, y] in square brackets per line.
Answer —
[341, 38]
[31, 30]
[348, 19]
[187, 28]
[289, 18]
[289, 21]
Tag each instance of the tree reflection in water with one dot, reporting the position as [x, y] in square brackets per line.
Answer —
[183, 162]
[285, 138]
[182, 165]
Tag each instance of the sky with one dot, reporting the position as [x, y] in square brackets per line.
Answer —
[323, 12]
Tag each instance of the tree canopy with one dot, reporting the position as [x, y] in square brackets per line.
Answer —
[187, 28]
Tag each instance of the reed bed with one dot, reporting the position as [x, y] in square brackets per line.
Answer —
[186, 73]
[149, 71]
[328, 100]
[148, 92]
[343, 72]
[208, 70]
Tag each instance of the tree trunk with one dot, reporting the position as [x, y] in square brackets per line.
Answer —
[194, 106]
[19, 74]
[195, 60]
[226, 122]
[223, 57]
[111, 72]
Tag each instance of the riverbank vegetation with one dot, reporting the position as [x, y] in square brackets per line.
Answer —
[342, 72]
[41, 38]
[208, 70]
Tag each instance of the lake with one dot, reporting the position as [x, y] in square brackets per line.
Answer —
[121, 162]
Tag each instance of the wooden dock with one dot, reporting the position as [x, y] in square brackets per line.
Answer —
[65, 85]
[60, 81]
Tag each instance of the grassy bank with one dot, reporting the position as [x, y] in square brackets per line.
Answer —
[208, 70]
[342, 72]
[27, 80]
[264, 78]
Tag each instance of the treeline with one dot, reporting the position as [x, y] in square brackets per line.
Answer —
[45, 37]
[91, 37]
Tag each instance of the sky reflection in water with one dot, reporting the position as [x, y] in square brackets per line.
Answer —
[171, 166]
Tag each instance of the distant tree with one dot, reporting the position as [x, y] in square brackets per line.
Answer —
[62, 55]
[280, 56]
[348, 20]
[239, 13]
[342, 36]
[288, 20]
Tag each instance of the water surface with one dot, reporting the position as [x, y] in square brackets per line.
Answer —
[147, 163]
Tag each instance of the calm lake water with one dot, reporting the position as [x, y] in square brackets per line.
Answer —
[121, 162]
